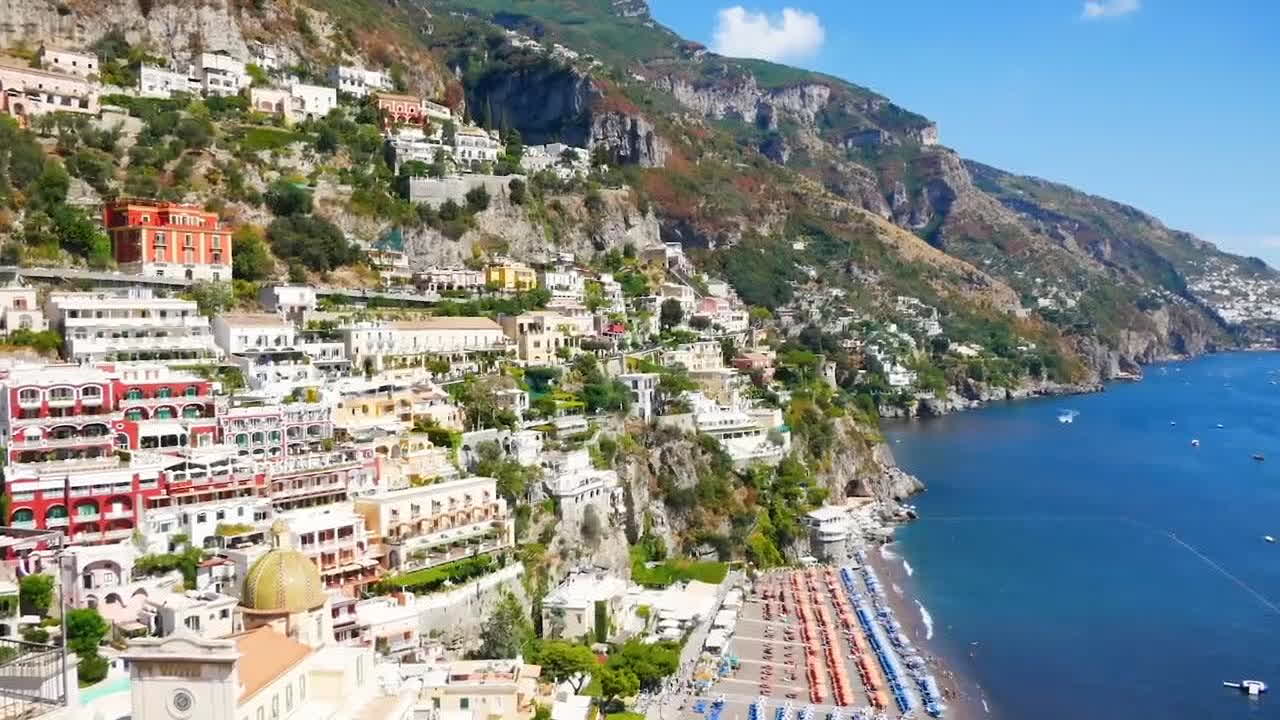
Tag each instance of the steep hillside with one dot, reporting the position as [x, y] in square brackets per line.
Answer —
[1122, 287]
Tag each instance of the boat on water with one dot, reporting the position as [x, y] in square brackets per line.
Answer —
[1268, 538]
[1249, 687]
[1219, 426]
[1066, 417]
[1172, 423]
[1259, 457]
[1195, 443]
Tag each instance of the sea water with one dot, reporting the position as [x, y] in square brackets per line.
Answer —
[1106, 568]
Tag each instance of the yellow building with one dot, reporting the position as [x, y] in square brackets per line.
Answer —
[511, 276]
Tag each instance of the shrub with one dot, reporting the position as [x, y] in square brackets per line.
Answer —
[477, 199]
[285, 199]
[92, 668]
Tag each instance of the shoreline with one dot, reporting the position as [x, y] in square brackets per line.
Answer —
[965, 697]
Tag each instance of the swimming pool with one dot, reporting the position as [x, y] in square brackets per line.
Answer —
[110, 686]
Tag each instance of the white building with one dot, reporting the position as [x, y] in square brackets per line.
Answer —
[358, 81]
[437, 279]
[576, 485]
[26, 92]
[208, 614]
[295, 103]
[288, 300]
[381, 343]
[221, 74]
[747, 435]
[264, 56]
[474, 145]
[569, 610]
[565, 283]
[19, 309]
[132, 325]
[696, 357]
[830, 529]
[69, 62]
[389, 624]
[644, 393]
[240, 333]
[158, 82]
[208, 525]
[554, 156]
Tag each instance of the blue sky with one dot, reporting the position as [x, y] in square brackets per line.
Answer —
[1172, 106]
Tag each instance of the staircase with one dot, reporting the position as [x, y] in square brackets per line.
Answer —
[32, 681]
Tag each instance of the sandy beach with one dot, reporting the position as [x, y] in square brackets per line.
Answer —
[965, 698]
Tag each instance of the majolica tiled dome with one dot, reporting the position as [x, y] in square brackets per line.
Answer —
[283, 580]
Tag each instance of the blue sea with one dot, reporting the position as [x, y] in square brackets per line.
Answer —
[1106, 568]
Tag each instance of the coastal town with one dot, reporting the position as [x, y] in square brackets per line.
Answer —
[395, 500]
[325, 395]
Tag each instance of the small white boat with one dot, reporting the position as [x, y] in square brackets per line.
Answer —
[1250, 687]
[1268, 538]
[1195, 443]
[1172, 423]
[1219, 426]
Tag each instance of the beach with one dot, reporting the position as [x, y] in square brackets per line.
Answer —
[965, 698]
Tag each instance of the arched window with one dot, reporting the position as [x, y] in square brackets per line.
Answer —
[191, 391]
[25, 515]
[258, 438]
[164, 392]
[135, 414]
[164, 413]
[28, 396]
[133, 394]
[242, 440]
[191, 411]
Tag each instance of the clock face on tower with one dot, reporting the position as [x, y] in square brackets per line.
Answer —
[181, 703]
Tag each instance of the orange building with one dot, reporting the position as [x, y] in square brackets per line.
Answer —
[168, 240]
[398, 109]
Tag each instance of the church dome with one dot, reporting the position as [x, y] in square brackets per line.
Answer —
[283, 580]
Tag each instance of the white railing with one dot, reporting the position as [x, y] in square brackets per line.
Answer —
[50, 443]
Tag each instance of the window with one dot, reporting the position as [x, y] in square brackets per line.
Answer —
[164, 392]
[288, 698]
[302, 687]
[464, 703]
[261, 713]
[191, 391]
[134, 394]
[29, 395]
[275, 706]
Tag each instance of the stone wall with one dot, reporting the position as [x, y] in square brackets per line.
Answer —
[457, 615]
[435, 191]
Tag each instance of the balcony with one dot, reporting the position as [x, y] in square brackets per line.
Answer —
[86, 414]
[56, 522]
[178, 400]
[24, 524]
[321, 489]
[93, 516]
[66, 442]
[118, 515]
[62, 401]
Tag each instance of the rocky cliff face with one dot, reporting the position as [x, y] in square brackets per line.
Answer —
[175, 28]
[862, 466]
[742, 98]
[509, 229]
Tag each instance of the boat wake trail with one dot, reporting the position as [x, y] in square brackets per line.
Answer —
[1266, 602]
[887, 554]
[927, 619]
[907, 566]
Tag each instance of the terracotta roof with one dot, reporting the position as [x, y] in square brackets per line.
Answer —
[264, 656]
[446, 323]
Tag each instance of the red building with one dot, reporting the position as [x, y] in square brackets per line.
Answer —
[89, 448]
[168, 240]
[399, 109]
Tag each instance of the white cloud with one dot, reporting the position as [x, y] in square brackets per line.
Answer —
[1095, 9]
[791, 35]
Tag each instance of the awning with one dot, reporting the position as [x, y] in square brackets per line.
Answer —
[160, 428]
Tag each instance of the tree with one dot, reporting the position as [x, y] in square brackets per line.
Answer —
[700, 322]
[508, 632]
[671, 313]
[50, 189]
[477, 199]
[648, 663]
[211, 297]
[85, 629]
[251, 261]
[617, 683]
[285, 199]
[315, 242]
[35, 593]
[517, 188]
[92, 668]
[566, 662]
